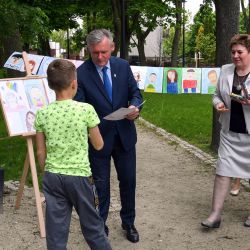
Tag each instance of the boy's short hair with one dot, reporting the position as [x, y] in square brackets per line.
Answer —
[60, 74]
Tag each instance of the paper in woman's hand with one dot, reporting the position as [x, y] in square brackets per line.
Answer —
[237, 97]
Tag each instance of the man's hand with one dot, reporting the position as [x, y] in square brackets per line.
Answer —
[133, 115]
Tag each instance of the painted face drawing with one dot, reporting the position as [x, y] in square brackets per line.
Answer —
[30, 120]
[37, 97]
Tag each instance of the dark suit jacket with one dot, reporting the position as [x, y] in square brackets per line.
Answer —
[125, 92]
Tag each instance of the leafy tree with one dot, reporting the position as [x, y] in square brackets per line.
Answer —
[205, 44]
[204, 26]
[145, 16]
[202, 34]
[168, 41]
[60, 14]
[20, 24]
[77, 40]
[245, 20]
[29, 20]
[10, 39]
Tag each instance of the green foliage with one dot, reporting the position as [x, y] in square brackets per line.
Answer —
[202, 34]
[96, 14]
[8, 17]
[32, 22]
[28, 20]
[152, 12]
[188, 116]
[61, 14]
[3, 73]
[168, 41]
[199, 36]
[78, 40]
[205, 43]
[35, 19]
[59, 36]
[243, 29]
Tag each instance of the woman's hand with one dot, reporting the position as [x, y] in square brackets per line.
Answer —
[246, 102]
[220, 107]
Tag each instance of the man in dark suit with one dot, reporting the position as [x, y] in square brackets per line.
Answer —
[119, 136]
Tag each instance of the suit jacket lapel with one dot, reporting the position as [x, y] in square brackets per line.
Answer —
[230, 77]
[114, 74]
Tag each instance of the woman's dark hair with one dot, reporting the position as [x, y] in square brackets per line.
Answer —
[242, 39]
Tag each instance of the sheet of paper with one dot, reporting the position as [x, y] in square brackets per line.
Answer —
[119, 114]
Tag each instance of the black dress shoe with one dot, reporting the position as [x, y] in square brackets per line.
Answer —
[208, 224]
[132, 233]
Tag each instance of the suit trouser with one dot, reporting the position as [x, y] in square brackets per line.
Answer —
[62, 192]
[125, 164]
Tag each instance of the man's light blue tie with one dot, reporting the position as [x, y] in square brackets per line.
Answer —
[107, 83]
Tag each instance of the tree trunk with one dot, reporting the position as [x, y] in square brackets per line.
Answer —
[125, 24]
[225, 29]
[177, 34]
[26, 47]
[117, 24]
[91, 21]
[127, 39]
[140, 48]
[44, 48]
[141, 36]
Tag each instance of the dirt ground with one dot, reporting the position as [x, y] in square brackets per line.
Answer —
[174, 191]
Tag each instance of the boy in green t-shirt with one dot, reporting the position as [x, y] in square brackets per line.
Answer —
[63, 129]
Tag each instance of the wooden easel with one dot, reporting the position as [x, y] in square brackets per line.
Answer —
[30, 162]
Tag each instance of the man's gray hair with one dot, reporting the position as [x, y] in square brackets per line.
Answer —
[96, 36]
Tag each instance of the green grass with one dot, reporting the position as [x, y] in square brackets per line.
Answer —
[189, 116]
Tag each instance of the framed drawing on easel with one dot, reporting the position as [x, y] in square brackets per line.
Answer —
[20, 99]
